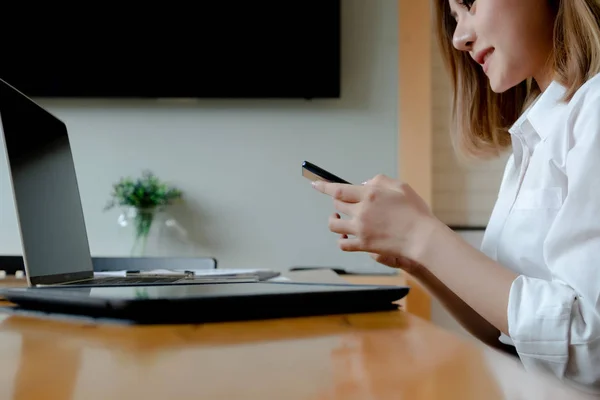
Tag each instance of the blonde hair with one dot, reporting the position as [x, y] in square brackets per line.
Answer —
[481, 118]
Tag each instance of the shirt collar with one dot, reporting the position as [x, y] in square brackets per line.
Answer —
[542, 116]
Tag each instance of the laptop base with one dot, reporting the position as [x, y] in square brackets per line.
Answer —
[193, 304]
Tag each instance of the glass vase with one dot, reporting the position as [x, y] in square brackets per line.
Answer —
[154, 232]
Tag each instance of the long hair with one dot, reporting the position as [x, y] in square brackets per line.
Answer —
[481, 118]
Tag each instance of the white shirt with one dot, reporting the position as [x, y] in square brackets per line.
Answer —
[546, 227]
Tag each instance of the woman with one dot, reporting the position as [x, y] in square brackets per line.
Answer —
[526, 74]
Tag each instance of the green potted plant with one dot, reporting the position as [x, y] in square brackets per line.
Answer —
[144, 197]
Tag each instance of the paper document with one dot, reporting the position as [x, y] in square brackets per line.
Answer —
[198, 274]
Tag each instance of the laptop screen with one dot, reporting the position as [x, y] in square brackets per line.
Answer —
[47, 200]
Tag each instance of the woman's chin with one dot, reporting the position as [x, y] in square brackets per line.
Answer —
[500, 86]
[500, 83]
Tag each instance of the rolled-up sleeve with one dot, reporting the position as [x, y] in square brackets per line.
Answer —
[555, 324]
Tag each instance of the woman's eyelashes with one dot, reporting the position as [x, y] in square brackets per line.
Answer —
[466, 3]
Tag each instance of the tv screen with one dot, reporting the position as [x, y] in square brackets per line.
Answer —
[208, 49]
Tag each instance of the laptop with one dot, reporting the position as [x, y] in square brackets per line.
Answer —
[162, 304]
[46, 194]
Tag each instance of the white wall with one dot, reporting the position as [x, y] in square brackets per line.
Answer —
[238, 161]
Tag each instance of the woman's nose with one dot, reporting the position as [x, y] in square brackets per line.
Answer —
[463, 39]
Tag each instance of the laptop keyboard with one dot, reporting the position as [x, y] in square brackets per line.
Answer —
[116, 280]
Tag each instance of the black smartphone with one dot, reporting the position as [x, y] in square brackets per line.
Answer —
[314, 173]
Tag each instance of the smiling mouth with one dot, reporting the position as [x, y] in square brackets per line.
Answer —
[483, 57]
[486, 61]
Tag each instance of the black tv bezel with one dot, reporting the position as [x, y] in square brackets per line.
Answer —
[328, 87]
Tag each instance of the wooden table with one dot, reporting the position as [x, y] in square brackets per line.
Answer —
[386, 355]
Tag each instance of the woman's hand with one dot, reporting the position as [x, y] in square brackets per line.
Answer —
[403, 263]
[386, 217]
[390, 221]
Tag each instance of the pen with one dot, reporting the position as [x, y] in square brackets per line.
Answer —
[160, 273]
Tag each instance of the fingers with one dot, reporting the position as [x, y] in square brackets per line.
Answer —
[337, 216]
[342, 236]
[345, 208]
[339, 225]
[340, 191]
[350, 244]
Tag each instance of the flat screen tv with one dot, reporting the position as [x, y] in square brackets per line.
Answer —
[206, 49]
